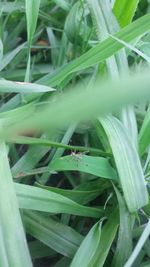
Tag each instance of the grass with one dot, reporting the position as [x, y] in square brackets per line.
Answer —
[74, 133]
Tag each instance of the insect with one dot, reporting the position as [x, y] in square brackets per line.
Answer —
[77, 157]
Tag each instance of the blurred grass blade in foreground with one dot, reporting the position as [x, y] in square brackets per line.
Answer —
[71, 107]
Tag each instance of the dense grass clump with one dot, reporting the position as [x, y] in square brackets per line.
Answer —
[74, 133]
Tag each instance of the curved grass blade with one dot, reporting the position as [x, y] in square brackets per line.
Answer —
[96, 245]
[81, 194]
[34, 198]
[97, 166]
[10, 56]
[127, 162]
[107, 237]
[55, 235]
[124, 11]
[85, 255]
[89, 164]
[21, 87]
[100, 52]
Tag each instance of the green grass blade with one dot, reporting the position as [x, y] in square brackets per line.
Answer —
[12, 241]
[25, 163]
[81, 195]
[124, 11]
[65, 65]
[3, 252]
[32, 10]
[97, 166]
[131, 47]
[55, 235]
[34, 198]
[124, 243]
[10, 56]
[107, 237]
[64, 262]
[144, 140]
[71, 106]
[105, 23]
[128, 164]
[96, 245]
[34, 154]
[39, 250]
[64, 139]
[85, 255]
[45, 142]
[63, 4]
[89, 164]
[100, 52]
[139, 245]
[21, 87]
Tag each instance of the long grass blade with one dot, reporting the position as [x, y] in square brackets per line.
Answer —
[71, 107]
[55, 235]
[32, 10]
[125, 10]
[144, 140]
[21, 87]
[14, 250]
[128, 164]
[95, 247]
[85, 255]
[100, 52]
[124, 243]
[139, 245]
[34, 198]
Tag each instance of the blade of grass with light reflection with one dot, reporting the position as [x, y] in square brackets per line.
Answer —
[55, 235]
[127, 162]
[32, 10]
[100, 52]
[13, 241]
[125, 10]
